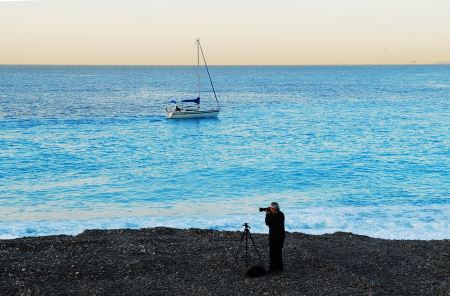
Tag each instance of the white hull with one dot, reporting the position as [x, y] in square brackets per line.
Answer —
[185, 114]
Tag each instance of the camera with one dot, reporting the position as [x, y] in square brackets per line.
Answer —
[264, 209]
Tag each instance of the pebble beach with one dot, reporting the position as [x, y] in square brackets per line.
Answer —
[168, 261]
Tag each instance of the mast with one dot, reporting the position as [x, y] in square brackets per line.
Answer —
[198, 68]
[207, 70]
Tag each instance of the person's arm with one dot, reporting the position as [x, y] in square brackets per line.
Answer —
[282, 223]
[268, 219]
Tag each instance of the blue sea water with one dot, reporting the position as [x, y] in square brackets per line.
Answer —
[364, 149]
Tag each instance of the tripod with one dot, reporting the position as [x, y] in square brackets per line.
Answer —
[245, 235]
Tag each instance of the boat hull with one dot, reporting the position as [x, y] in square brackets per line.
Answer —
[184, 114]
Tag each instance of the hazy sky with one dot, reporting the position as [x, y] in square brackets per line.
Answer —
[232, 31]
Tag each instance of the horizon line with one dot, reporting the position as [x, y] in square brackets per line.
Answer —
[231, 65]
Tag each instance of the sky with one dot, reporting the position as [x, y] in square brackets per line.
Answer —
[232, 32]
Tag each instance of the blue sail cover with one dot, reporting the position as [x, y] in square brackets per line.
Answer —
[197, 101]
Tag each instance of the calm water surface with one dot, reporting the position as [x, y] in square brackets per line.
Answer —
[364, 149]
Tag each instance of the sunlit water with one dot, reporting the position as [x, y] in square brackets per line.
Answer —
[363, 149]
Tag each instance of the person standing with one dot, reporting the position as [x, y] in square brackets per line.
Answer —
[275, 221]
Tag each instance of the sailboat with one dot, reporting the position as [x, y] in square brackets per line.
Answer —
[193, 109]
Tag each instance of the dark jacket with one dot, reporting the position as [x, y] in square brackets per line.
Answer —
[276, 227]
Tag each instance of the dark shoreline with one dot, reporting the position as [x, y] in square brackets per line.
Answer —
[166, 261]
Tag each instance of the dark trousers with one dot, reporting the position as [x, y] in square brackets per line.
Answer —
[276, 255]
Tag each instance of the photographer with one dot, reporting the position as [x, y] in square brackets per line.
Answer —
[275, 221]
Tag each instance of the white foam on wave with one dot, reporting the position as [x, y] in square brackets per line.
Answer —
[304, 213]
[390, 222]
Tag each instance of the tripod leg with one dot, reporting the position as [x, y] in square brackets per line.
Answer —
[246, 248]
[240, 244]
[256, 249]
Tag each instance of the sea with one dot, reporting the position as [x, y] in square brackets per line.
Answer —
[361, 149]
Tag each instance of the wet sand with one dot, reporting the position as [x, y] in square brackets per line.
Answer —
[165, 261]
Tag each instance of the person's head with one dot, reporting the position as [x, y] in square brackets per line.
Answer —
[274, 208]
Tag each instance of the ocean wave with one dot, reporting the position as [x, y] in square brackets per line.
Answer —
[389, 222]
